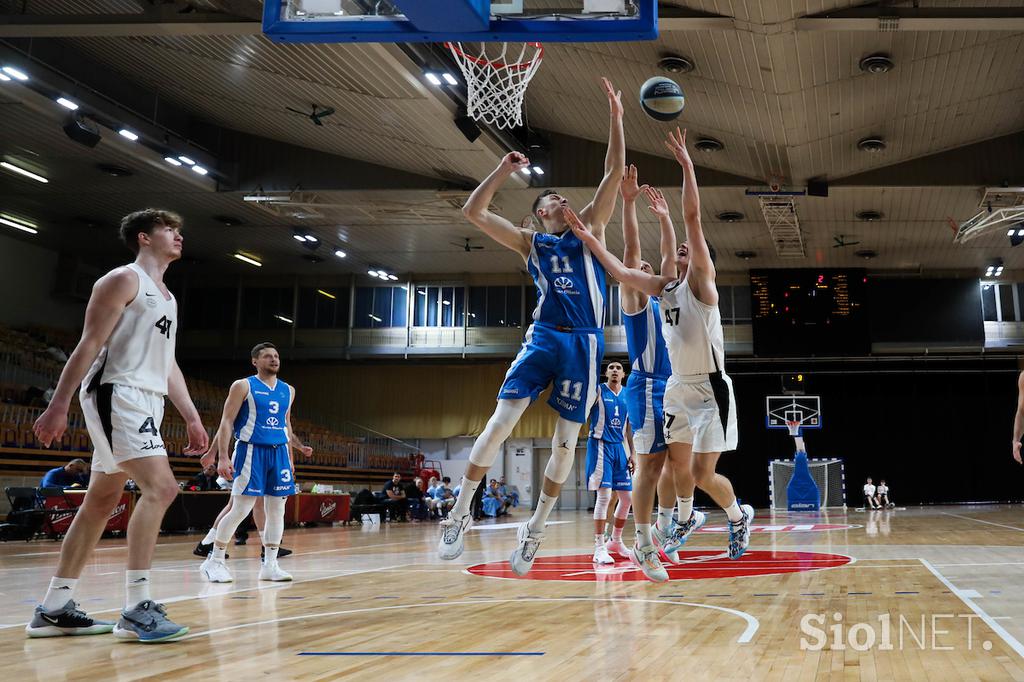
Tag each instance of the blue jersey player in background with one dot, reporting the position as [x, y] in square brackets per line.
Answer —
[645, 391]
[258, 412]
[564, 344]
[610, 461]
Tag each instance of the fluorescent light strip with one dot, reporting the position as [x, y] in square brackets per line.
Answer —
[432, 77]
[66, 103]
[199, 169]
[15, 73]
[450, 78]
[28, 174]
[526, 171]
[328, 295]
[171, 160]
[298, 238]
[538, 170]
[18, 224]
[284, 319]
[339, 253]
[127, 134]
[246, 259]
[4, 77]
[187, 161]
[311, 238]
[393, 278]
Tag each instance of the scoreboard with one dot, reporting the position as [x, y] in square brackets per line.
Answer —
[809, 312]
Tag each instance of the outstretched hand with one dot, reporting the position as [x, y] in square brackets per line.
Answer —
[514, 162]
[658, 206]
[629, 188]
[577, 226]
[676, 144]
[614, 97]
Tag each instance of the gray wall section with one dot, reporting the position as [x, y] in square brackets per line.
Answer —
[27, 276]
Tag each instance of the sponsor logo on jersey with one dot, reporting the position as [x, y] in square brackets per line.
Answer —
[563, 283]
[616, 422]
[261, 393]
[272, 421]
[151, 302]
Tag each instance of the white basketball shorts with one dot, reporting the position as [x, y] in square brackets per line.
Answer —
[702, 412]
[123, 423]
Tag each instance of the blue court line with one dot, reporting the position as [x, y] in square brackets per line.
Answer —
[853, 593]
[717, 595]
[812, 594]
[385, 597]
[292, 597]
[906, 593]
[670, 596]
[243, 597]
[766, 594]
[421, 653]
[339, 597]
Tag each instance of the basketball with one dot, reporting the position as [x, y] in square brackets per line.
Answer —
[662, 98]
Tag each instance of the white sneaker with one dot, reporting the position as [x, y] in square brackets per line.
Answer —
[647, 559]
[215, 570]
[524, 554]
[601, 555]
[271, 571]
[616, 547]
[453, 532]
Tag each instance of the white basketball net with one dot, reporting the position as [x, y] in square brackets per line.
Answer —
[497, 82]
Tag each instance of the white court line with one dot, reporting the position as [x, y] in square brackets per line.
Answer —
[991, 523]
[507, 525]
[277, 586]
[1009, 639]
[98, 549]
[748, 633]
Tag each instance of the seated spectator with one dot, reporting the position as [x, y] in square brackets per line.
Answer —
[509, 492]
[74, 473]
[444, 497]
[429, 496]
[205, 480]
[417, 503]
[394, 498]
[493, 503]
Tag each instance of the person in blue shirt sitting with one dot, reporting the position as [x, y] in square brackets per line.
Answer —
[74, 473]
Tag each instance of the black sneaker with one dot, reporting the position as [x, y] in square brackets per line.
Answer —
[205, 550]
[69, 620]
[281, 552]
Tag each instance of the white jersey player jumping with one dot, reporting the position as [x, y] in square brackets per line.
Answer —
[700, 408]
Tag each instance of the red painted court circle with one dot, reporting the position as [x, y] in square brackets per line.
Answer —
[693, 565]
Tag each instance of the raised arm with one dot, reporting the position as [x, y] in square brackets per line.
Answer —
[703, 283]
[110, 295]
[630, 190]
[638, 279]
[598, 212]
[493, 225]
[232, 405]
[1018, 419]
[659, 207]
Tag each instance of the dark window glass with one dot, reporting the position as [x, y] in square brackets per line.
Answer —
[364, 308]
[420, 307]
[477, 306]
[988, 302]
[513, 306]
[725, 302]
[1008, 312]
[741, 304]
[399, 306]
[210, 307]
[531, 301]
[433, 294]
[263, 308]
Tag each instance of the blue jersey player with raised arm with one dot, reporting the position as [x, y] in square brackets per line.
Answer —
[258, 412]
[564, 344]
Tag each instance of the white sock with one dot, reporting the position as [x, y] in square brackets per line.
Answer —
[210, 536]
[616, 533]
[136, 587]
[733, 512]
[58, 593]
[598, 540]
[643, 535]
[540, 517]
[685, 505]
[466, 493]
[218, 553]
[665, 517]
[270, 555]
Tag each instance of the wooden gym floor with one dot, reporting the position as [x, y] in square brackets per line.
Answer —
[365, 599]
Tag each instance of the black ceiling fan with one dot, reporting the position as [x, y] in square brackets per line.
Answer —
[840, 241]
[314, 115]
[467, 247]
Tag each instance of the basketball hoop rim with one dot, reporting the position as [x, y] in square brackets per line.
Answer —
[498, 65]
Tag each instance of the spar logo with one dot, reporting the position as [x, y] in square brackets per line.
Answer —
[272, 421]
[786, 528]
[327, 508]
[563, 283]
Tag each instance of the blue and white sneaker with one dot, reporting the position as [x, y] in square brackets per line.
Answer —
[739, 533]
[680, 532]
[528, 541]
[453, 532]
[69, 620]
[147, 623]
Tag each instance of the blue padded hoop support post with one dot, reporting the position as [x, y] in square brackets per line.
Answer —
[440, 26]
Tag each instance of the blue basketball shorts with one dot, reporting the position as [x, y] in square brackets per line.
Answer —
[645, 404]
[569, 359]
[607, 466]
[262, 470]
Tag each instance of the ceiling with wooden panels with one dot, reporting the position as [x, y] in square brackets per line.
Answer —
[784, 94]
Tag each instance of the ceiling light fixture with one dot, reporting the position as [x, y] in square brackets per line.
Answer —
[248, 259]
[298, 237]
[185, 160]
[393, 278]
[22, 171]
[871, 145]
[432, 77]
[450, 79]
[339, 253]
[171, 160]
[526, 171]
[709, 144]
[15, 73]
[18, 223]
[328, 295]
[127, 134]
[66, 103]
[538, 170]
[199, 169]
[284, 319]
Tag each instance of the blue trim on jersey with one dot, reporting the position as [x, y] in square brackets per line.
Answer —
[644, 342]
[261, 419]
[609, 414]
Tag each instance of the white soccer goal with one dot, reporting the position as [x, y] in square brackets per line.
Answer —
[829, 474]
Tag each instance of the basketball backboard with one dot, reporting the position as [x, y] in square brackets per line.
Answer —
[805, 409]
[407, 21]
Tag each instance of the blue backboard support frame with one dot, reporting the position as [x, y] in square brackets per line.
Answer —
[390, 29]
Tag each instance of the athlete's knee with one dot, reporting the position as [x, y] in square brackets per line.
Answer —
[703, 474]
[625, 502]
[162, 492]
[563, 450]
[604, 497]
